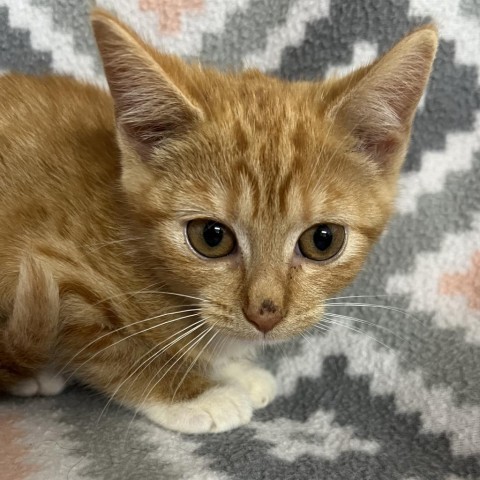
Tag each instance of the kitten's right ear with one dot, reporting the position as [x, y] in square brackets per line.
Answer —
[149, 107]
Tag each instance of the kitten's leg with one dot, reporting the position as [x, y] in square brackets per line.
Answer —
[30, 332]
[258, 382]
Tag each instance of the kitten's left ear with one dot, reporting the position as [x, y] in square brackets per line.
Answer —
[150, 108]
[379, 108]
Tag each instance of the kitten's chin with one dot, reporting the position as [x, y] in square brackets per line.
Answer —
[234, 347]
[256, 339]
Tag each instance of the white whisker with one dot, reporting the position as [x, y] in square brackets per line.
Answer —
[151, 358]
[373, 305]
[146, 394]
[127, 337]
[353, 329]
[364, 296]
[193, 363]
[366, 322]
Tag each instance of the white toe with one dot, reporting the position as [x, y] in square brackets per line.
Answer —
[45, 383]
[25, 388]
[49, 383]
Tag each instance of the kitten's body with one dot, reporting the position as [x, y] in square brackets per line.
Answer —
[63, 215]
[97, 274]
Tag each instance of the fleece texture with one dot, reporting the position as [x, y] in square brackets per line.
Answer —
[396, 397]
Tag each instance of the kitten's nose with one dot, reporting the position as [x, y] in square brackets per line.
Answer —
[265, 317]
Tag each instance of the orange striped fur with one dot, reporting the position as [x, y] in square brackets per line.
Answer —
[95, 195]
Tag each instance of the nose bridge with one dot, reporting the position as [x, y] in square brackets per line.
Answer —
[264, 304]
[265, 289]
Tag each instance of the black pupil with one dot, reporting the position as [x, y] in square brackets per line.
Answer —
[323, 237]
[213, 234]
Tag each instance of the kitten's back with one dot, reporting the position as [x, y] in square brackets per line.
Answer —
[58, 165]
[52, 129]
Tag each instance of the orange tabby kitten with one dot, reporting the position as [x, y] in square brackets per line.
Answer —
[149, 242]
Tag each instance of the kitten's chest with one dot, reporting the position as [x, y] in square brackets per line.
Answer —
[232, 350]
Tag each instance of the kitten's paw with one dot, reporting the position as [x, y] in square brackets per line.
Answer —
[46, 383]
[25, 388]
[49, 383]
[259, 383]
[217, 410]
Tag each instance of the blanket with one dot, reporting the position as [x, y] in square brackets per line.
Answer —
[394, 396]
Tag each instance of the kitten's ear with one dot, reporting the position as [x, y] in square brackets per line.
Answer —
[149, 107]
[379, 105]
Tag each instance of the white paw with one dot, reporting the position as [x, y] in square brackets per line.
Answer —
[49, 383]
[216, 410]
[46, 383]
[25, 388]
[259, 383]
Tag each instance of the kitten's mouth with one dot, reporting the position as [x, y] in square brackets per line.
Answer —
[254, 340]
[255, 337]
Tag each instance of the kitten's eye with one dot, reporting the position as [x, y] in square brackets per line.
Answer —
[210, 239]
[322, 242]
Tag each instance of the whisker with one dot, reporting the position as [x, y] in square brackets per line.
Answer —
[323, 328]
[281, 347]
[125, 338]
[203, 300]
[97, 246]
[126, 294]
[162, 292]
[373, 305]
[353, 329]
[306, 338]
[145, 394]
[366, 322]
[193, 363]
[123, 328]
[151, 358]
[364, 296]
[218, 349]
[196, 340]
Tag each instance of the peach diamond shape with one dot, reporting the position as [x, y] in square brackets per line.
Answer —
[169, 12]
[466, 284]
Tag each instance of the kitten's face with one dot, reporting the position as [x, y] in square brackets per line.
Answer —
[259, 197]
[295, 212]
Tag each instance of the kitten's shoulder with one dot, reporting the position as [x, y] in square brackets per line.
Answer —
[61, 98]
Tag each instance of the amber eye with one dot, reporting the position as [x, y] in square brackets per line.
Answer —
[210, 239]
[322, 242]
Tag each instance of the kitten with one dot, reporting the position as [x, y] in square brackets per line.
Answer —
[149, 242]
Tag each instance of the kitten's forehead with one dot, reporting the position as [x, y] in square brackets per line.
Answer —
[278, 179]
[271, 164]
[288, 169]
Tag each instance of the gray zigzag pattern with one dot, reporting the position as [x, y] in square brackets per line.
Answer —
[442, 354]
[244, 31]
[405, 451]
[470, 8]
[109, 449]
[17, 53]
[72, 16]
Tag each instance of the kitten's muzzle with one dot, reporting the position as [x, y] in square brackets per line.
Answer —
[265, 317]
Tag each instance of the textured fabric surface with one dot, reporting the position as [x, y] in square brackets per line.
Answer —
[395, 397]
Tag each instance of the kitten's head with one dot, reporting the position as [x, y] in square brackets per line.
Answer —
[261, 196]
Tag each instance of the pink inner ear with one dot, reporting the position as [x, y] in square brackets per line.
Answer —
[379, 146]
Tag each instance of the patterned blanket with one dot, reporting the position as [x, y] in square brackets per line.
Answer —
[393, 396]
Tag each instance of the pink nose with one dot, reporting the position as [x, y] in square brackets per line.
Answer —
[265, 317]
